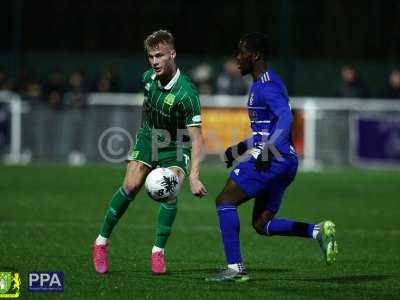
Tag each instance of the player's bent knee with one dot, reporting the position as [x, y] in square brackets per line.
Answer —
[178, 172]
[232, 194]
[223, 198]
[259, 228]
[262, 221]
[135, 177]
[130, 189]
[138, 167]
[131, 185]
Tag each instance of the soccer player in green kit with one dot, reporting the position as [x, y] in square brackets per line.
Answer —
[171, 105]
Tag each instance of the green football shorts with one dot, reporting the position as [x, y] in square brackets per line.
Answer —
[162, 157]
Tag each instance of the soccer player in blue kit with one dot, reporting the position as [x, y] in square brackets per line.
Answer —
[269, 168]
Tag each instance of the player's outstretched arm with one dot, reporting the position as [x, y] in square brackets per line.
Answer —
[197, 188]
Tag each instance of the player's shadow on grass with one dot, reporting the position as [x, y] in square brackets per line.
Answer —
[346, 279]
[214, 270]
[194, 271]
[206, 272]
[189, 274]
[268, 270]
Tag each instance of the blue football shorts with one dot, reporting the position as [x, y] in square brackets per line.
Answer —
[268, 186]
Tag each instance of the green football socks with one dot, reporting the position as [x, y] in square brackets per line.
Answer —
[166, 217]
[119, 204]
[117, 207]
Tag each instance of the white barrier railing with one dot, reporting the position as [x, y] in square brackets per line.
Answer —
[311, 106]
[16, 108]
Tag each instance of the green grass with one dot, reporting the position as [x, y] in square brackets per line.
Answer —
[50, 215]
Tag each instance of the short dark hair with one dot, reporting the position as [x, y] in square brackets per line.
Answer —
[257, 42]
[159, 37]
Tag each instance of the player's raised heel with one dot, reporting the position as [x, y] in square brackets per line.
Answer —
[158, 264]
[327, 241]
[100, 258]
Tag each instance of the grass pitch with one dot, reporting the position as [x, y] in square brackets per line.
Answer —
[50, 215]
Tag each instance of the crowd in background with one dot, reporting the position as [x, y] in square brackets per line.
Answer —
[352, 86]
[58, 90]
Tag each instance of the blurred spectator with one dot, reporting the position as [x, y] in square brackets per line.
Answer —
[106, 81]
[54, 89]
[5, 82]
[76, 94]
[392, 90]
[24, 75]
[351, 85]
[29, 86]
[230, 81]
[32, 90]
[103, 86]
[202, 77]
[75, 100]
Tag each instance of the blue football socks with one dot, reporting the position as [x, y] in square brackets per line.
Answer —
[285, 227]
[230, 227]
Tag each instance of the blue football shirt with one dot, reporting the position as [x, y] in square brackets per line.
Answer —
[270, 114]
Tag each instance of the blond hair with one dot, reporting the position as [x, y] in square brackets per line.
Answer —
[159, 37]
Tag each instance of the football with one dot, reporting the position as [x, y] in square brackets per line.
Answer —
[162, 184]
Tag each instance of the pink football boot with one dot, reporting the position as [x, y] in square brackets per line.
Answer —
[100, 259]
[158, 265]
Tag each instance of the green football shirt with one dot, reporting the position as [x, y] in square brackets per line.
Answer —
[171, 107]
